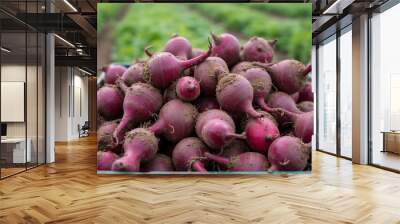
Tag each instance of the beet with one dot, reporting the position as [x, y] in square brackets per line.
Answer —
[289, 75]
[218, 133]
[248, 161]
[141, 102]
[159, 163]
[188, 155]
[163, 68]
[227, 47]
[258, 49]
[134, 73]
[216, 128]
[140, 146]
[288, 153]
[235, 94]
[261, 83]
[206, 103]
[242, 67]
[295, 97]
[187, 88]
[261, 132]
[170, 93]
[282, 100]
[212, 114]
[105, 160]
[303, 124]
[105, 135]
[113, 72]
[179, 46]
[306, 106]
[306, 93]
[176, 120]
[109, 102]
[209, 72]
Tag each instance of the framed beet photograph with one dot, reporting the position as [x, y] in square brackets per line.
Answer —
[204, 88]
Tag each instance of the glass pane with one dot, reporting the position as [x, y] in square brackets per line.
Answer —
[346, 94]
[385, 83]
[41, 99]
[31, 100]
[327, 96]
[13, 85]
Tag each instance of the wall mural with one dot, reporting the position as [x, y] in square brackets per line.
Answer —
[204, 88]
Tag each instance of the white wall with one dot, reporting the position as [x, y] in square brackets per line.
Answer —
[70, 83]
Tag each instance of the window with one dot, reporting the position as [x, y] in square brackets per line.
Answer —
[385, 88]
[346, 75]
[327, 96]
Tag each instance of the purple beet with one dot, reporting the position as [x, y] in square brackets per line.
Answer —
[176, 120]
[109, 102]
[105, 135]
[258, 49]
[248, 161]
[179, 46]
[288, 154]
[113, 72]
[306, 93]
[216, 128]
[134, 73]
[242, 67]
[303, 127]
[227, 47]
[163, 68]
[261, 132]
[140, 146]
[282, 100]
[105, 160]
[188, 155]
[289, 76]
[209, 72]
[159, 163]
[187, 88]
[295, 97]
[261, 83]
[235, 94]
[141, 102]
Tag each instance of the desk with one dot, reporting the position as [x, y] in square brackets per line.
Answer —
[391, 141]
[15, 148]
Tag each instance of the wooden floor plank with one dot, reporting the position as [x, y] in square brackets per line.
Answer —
[70, 191]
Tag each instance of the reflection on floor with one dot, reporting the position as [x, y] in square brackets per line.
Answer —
[12, 169]
[387, 159]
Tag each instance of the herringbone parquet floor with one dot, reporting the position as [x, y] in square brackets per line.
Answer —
[69, 191]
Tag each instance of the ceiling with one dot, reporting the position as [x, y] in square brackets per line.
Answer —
[74, 22]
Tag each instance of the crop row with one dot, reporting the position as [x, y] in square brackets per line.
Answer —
[150, 24]
[294, 36]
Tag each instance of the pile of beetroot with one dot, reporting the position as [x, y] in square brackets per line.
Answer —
[227, 108]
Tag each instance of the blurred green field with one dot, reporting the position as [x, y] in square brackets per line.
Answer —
[153, 24]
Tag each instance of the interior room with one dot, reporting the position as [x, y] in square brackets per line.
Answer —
[51, 61]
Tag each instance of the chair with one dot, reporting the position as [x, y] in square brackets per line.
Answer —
[84, 130]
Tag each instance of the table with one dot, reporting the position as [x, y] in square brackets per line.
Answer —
[16, 147]
[391, 141]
